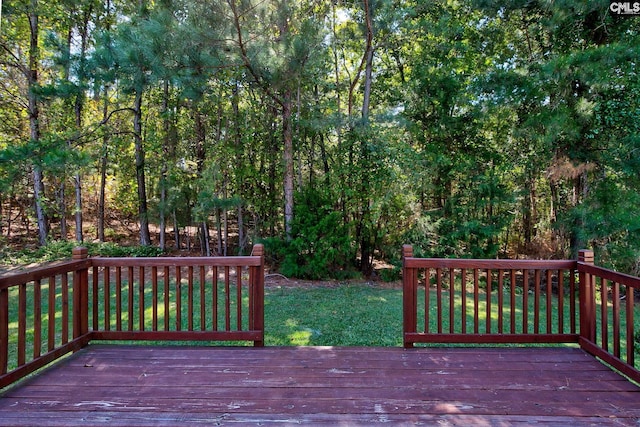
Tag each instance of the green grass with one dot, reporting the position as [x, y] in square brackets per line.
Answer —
[347, 315]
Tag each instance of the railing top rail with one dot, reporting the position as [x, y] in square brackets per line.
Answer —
[42, 272]
[504, 264]
[241, 261]
[613, 276]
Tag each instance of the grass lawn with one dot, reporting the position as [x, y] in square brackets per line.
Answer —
[346, 315]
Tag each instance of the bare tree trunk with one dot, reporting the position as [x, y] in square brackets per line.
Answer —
[145, 236]
[365, 228]
[241, 238]
[166, 125]
[104, 154]
[288, 162]
[34, 124]
[206, 247]
[79, 106]
[239, 160]
[62, 207]
[103, 176]
[176, 231]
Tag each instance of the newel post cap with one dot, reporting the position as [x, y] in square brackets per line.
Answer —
[407, 251]
[80, 252]
[586, 256]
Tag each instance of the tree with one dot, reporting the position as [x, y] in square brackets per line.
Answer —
[277, 73]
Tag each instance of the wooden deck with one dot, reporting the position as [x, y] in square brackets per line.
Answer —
[177, 386]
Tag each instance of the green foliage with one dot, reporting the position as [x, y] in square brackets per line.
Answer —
[493, 128]
[320, 246]
[62, 250]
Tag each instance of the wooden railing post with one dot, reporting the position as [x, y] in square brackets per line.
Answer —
[409, 296]
[587, 298]
[256, 280]
[80, 294]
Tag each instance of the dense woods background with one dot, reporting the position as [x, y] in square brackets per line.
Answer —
[333, 131]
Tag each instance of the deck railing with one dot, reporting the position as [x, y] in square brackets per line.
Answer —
[608, 327]
[49, 312]
[468, 301]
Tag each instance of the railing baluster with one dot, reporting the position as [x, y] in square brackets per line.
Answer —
[22, 323]
[37, 318]
[51, 321]
[4, 330]
[549, 300]
[203, 306]
[190, 297]
[65, 308]
[536, 302]
[560, 301]
[452, 298]
[476, 301]
[214, 299]
[616, 319]
[500, 301]
[94, 298]
[630, 326]
[141, 299]
[227, 300]
[463, 290]
[513, 301]
[154, 298]
[572, 300]
[525, 301]
[178, 299]
[239, 297]
[107, 299]
[167, 300]
[604, 313]
[439, 291]
[118, 299]
[488, 294]
[130, 296]
[426, 300]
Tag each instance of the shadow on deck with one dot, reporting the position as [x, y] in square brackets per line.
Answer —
[176, 386]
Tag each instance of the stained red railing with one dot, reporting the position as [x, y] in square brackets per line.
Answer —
[610, 330]
[41, 317]
[48, 312]
[488, 301]
[195, 298]
[469, 301]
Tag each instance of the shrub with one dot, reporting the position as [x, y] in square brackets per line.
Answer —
[320, 246]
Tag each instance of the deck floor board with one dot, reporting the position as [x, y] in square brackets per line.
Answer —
[174, 386]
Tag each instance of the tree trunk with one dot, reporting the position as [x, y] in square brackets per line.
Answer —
[239, 161]
[62, 208]
[166, 126]
[580, 191]
[34, 124]
[366, 228]
[79, 107]
[145, 236]
[288, 162]
[103, 170]
[176, 231]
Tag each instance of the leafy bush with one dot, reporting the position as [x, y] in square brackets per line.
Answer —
[62, 249]
[320, 246]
